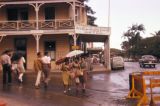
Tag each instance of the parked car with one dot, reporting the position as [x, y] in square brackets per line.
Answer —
[117, 62]
[147, 60]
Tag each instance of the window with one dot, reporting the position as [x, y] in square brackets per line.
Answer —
[77, 15]
[50, 47]
[15, 14]
[49, 13]
[12, 14]
[23, 14]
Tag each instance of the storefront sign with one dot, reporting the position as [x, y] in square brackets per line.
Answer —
[75, 47]
[92, 30]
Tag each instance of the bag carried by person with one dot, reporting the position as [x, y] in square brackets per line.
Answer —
[79, 72]
[77, 80]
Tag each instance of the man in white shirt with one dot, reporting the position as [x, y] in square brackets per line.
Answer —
[46, 67]
[6, 64]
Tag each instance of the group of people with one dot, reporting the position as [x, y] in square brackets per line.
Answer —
[14, 62]
[11, 62]
[42, 65]
[74, 70]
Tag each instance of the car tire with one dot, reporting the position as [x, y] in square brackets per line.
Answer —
[140, 65]
[122, 68]
[154, 66]
[143, 66]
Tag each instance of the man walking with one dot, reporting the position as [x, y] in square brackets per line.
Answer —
[46, 67]
[38, 69]
[6, 65]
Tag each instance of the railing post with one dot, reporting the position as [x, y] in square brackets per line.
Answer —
[55, 21]
[17, 22]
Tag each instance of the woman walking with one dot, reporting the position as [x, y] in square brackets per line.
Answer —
[83, 76]
[20, 68]
[65, 76]
[77, 71]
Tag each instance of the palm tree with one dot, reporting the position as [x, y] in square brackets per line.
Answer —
[157, 33]
[125, 45]
[133, 34]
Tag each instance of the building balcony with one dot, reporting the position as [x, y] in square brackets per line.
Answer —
[57, 24]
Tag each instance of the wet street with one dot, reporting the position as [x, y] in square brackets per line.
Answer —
[103, 89]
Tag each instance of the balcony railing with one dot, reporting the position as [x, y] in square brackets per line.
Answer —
[32, 25]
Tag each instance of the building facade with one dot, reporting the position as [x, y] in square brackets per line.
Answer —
[47, 25]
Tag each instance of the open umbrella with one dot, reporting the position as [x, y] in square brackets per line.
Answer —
[74, 53]
[61, 60]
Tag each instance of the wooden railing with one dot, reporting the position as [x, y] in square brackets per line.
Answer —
[32, 25]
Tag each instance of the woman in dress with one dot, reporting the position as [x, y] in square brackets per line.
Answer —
[83, 75]
[20, 68]
[77, 74]
[65, 76]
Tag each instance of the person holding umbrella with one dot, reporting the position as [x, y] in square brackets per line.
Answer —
[66, 75]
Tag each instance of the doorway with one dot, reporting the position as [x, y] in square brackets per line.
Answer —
[21, 45]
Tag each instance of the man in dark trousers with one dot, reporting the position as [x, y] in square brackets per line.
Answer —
[6, 64]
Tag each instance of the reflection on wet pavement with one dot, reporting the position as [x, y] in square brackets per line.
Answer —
[104, 89]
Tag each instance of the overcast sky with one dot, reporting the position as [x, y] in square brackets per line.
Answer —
[124, 13]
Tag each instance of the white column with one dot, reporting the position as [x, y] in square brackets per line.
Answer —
[74, 11]
[37, 7]
[81, 14]
[107, 53]
[75, 37]
[37, 38]
[37, 15]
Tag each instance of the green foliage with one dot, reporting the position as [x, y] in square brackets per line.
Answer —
[116, 52]
[151, 45]
[90, 18]
[133, 35]
[135, 46]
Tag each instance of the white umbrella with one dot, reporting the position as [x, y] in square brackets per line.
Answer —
[74, 53]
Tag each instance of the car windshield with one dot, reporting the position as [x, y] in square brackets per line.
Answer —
[148, 57]
[117, 58]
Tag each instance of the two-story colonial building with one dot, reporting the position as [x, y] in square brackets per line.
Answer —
[47, 25]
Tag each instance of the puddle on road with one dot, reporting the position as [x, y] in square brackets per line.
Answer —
[99, 77]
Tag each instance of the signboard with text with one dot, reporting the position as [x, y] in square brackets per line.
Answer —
[92, 30]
